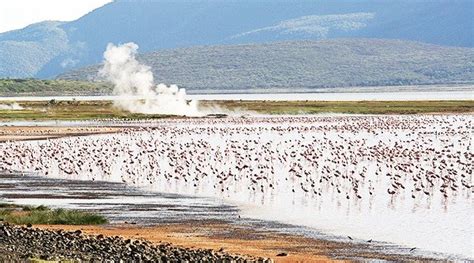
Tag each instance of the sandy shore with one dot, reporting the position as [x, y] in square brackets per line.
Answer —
[241, 240]
[217, 235]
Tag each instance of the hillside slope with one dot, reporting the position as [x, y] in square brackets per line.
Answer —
[164, 24]
[38, 87]
[305, 64]
[25, 52]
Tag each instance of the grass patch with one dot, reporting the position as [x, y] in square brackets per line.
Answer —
[17, 214]
[70, 110]
[353, 107]
[62, 110]
[87, 110]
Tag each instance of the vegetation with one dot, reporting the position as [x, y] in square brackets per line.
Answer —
[24, 52]
[306, 65]
[69, 110]
[17, 214]
[86, 110]
[350, 107]
[288, 66]
[22, 87]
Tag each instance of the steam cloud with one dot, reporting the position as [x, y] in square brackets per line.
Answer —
[13, 106]
[134, 84]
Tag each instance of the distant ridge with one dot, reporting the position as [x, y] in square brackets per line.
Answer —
[305, 65]
[47, 49]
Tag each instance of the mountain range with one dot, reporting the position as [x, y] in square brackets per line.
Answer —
[304, 64]
[47, 49]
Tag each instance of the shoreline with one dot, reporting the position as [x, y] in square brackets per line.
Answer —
[210, 235]
[338, 96]
[239, 240]
[34, 111]
[244, 236]
[447, 87]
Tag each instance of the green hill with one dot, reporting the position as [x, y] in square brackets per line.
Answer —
[15, 87]
[305, 65]
[24, 52]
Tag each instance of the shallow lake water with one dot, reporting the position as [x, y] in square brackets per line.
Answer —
[118, 201]
[322, 96]
[122, 203]
[299, 172]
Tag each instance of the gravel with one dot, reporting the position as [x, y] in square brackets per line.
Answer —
[22, 243]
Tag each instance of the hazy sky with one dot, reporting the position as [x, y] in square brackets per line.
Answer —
[15, 14]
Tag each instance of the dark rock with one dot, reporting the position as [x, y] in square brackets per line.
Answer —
[25, 242]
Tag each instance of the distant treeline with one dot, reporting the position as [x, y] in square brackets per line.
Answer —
[52, 87]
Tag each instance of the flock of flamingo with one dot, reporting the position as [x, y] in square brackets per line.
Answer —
[345, 157]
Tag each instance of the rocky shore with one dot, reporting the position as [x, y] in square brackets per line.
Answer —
[26, 242]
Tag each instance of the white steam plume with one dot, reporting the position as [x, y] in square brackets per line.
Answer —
[13, 106]
[133, 82]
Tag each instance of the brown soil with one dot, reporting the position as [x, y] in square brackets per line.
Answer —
[216, 235]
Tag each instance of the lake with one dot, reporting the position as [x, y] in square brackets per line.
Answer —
[325, 96]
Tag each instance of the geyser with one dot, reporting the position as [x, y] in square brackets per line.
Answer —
[134, 84]
[13, 106]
